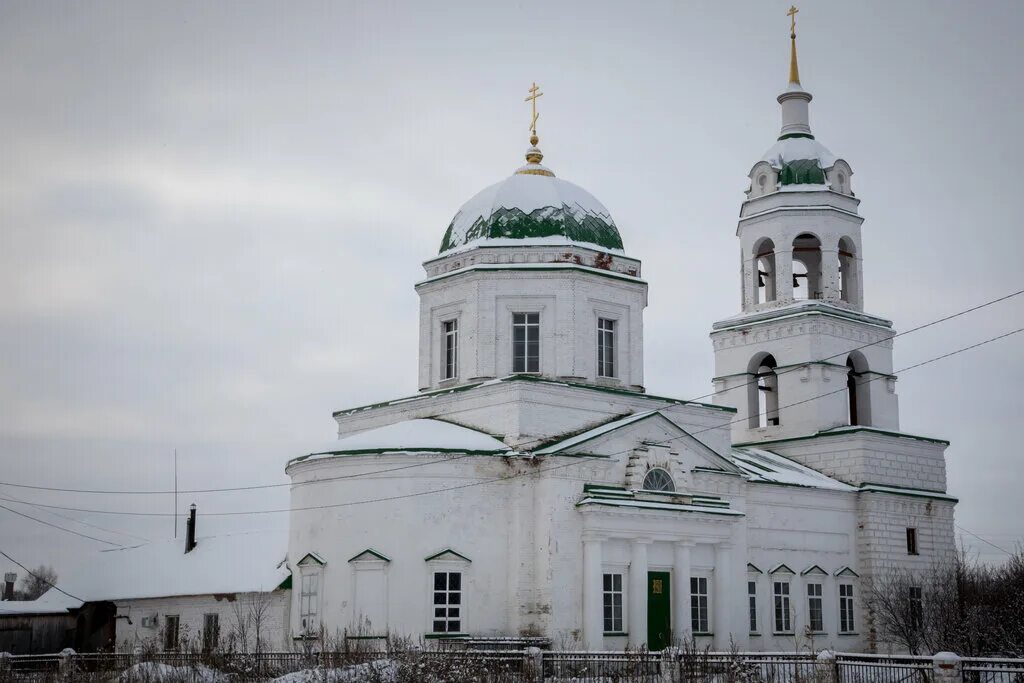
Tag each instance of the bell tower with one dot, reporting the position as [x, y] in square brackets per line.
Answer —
[802, 356]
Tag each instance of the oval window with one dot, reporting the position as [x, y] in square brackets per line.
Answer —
[658, 479]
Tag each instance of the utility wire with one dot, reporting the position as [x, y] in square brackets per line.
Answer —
[10, 498]
[32, 573]
[55, 526]
[520, 445]
[575, 462]
[984, 540]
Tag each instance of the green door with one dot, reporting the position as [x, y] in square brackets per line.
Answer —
[659, 610]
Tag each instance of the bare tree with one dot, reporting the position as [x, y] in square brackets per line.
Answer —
[37, 582]
[260, 605]
[963, 606]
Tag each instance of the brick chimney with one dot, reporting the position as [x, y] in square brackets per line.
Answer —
[9, 579]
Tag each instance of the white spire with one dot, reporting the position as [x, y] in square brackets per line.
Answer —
[794, 100]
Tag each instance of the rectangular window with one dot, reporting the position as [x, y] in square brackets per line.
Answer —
[447, 602]
[309, 602]
[699, 604]
[450, 328]
[605, 347]
[211, 632]
[171, 632]
[815, 612]
[783, 618]
[911, 541]
[752, 604]
[916, 607]
[846, 608]
[526, 342]
[613, 603]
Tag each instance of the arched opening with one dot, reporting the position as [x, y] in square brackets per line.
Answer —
[763, 402]
[658, 479]
[858, 398]
[764, 271]
[847, 272]
[807, 267]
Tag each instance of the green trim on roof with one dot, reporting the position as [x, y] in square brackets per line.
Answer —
[370, 551]
[912, 493]
[781, 568]
[802, 172]
[843, 432]
[787, 136]
[846, 571]
[541, 267]
[286, 584]
[548, 221]
[714, 470]
[815, 569]
[446, 551]
[312, 556]
[532, 378]
[384, 451]
[753, 568]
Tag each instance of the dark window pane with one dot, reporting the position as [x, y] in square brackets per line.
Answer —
[454, 581]
[439, 581]
[439, 611]
[607, 582]
[453, 612]
[454, 598]
[438, 627]
[439, 599]
[454, 626]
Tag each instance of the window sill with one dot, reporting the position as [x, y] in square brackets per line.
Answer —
[702, 634]
[436, 636]
[755, 634]
[783, 633]
[609, 634]
[817, 633]
[850, 633]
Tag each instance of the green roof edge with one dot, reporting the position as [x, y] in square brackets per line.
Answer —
[827, 433]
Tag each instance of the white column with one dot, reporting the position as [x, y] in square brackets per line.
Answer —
[681, 619]
[637, 597]
[723, 590]
[593, 595]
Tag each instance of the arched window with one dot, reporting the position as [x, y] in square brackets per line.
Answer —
[807, 267]
[858, 399]
[847, 271]
[763, 401]
[764, 271]
[658, 479]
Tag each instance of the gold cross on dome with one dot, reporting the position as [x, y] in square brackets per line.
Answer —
[792, 19]
[532, 99]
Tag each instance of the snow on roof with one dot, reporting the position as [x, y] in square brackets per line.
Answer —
[594, 433]
[796, 149]
[546, 241]
[233, 563]
[426, 434]
[765, 466]
[51, 602]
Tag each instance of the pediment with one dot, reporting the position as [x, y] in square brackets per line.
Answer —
[447, 555]
[311, 560]
[370, 555]
[753, 569]
[781, 569]
[814, 569]
[846, 571]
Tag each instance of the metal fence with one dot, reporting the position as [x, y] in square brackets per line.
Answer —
[507, 666]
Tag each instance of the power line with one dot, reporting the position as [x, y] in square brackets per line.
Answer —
[10, 498]
[984, 540]
[255, 487]
[48, 583]
[56, 526]
[521, 474]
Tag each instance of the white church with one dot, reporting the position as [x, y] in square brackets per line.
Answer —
[533, 488]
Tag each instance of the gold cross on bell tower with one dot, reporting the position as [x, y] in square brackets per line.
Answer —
[794, 70]
[532, 99]
[792, 20]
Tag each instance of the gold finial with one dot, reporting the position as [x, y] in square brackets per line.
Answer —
[794, 71]
[532, 99]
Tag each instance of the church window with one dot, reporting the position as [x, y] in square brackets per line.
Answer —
[171, 622]
[451, 349]
[807, 267]
[658, 479]
[447, 602]
[916, 605]
[613, 603]
[605, 347]
[846, 608]
[764, 272]
[912, 541]
[762, 181]
[764, 393]
[858, 398]
[309, 602]
[815, 611]
[752, 604]
[526, 342]
[847, 274]
[783, 617]
[211, 632]
[699, 604]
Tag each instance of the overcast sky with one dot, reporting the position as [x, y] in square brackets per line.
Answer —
[212, 216]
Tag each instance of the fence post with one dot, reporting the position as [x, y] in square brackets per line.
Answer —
[669, 662]
[826, 669]
[66, 665]
[947, 668]
[533, 664]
